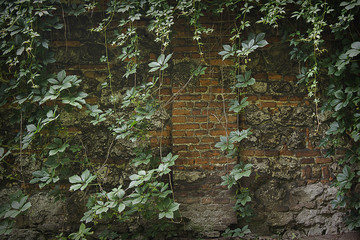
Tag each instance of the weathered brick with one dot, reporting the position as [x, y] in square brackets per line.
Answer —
[274, 76]
[290, 78]
[181, 112]
[200, 119]
[179, 133]
[201, 104]
[307, 153]
[200, 132]
[179, 119]
[201, 161]
[247, 152]
[186, 126]
[260, 76]
[272, 153]
[307, 161]
[323, 160]
[208, 82]
[268, 104]
[182, 140]
[211, 153]
[189, 97]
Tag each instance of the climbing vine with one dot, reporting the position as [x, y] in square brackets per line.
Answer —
[325, 42]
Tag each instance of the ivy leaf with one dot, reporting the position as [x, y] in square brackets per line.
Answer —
[121, 207]
[61, 75]
[20, 51]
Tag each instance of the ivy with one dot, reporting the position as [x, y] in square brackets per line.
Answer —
[39, 97]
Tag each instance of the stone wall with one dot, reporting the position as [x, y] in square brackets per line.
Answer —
[290, 184]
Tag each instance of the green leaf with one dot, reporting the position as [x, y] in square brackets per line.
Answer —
[355, 45]
[75, 179]
[20, 51]
[61, 75]
[121, 207]
[339, 94]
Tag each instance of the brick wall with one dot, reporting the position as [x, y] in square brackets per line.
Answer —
[290, 184]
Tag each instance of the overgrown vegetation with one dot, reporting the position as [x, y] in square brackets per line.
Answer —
[325, 42]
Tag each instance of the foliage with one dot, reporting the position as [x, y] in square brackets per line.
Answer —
[39, 95]
[17, 205]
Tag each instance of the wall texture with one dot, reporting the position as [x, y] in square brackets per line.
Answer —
[290, 184]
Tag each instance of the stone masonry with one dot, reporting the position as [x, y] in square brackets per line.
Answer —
[290, 183]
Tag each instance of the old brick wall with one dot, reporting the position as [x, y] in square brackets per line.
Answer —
[290, 184]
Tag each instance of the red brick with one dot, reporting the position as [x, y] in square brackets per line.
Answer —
[179, 140]
[268, 104]
[185, 161]
[189, 97]
[201, 104]
[307, 161]
[208, 140]
[179, 133]
[252, 98]
[176, 89]
[179, 119]
[207, 125]
[200, 132]
[178, 148]
[208, 82]
[200, 89]
[189, 133]
[181, 112]
[200, 119]
[223, 160]
[283, 98]
[202, 161]
[216, 104]
[208, 97]
[211, 153]
[217, 132]
[307, 153]
[261, 76]
[220, 90]
[271, 153]
[247, 152]
[207, 167]
[274, 76]
[259, 153]
[165, 91]
[202, 147]
[196, 111]
[323, 160]
[296, 98]
[266, 98]
[185, 126]
[191, 154]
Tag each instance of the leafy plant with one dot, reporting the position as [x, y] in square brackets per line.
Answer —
[17, 205]
[81, 182]
[82, 233]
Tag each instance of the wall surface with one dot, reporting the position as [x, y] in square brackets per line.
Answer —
[290, 183]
